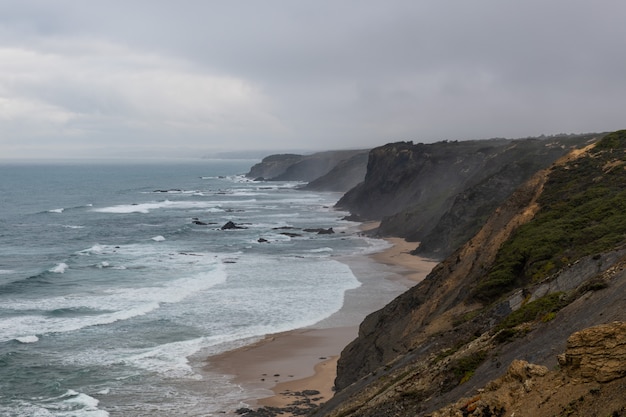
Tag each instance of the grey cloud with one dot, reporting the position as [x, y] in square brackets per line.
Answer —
[317, 74]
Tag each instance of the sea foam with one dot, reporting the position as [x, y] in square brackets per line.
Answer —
[60, 268]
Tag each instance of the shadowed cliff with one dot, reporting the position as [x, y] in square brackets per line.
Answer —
[325, 171]
[548, 262]
[441, 194]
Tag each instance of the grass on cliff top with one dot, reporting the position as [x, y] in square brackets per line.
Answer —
[583, 212]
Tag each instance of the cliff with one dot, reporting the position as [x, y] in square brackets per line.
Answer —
[441, 194]
[547, 262]
[328, 171]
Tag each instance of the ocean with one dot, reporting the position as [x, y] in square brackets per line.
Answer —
[117, 281]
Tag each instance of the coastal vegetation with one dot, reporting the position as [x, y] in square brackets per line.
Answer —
[582, 212]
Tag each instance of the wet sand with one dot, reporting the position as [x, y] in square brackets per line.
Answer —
[281, 367]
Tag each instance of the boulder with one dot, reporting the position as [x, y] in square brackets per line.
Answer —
[597, 353]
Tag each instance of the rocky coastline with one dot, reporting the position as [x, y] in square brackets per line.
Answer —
[527, 305]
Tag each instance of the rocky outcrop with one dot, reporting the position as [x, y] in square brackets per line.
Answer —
[532, 390]
[596, 354]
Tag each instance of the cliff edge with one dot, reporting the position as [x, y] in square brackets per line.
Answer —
[550, 261]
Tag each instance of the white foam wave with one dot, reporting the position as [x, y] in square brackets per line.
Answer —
[27, 339]
[158, 238]
[78, 404]
[60, 268]
[95, 249]
[114, 304]
[6, 271]
[166, 204]
[321, 250]
[69, 404]
[70, 226]
[59, 210]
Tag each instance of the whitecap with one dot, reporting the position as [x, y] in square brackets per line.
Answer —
[81, 405]
[145, 208]
[70, 226]
[27, 339]
[321, 250]
[158, 238]
[60, 268]
[116, 303]
[59, 210]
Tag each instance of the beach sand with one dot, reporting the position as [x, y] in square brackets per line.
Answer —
[299, 366]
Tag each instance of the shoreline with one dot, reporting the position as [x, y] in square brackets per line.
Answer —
[296, 369]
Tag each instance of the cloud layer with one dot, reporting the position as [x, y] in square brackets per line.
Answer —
[158, 77]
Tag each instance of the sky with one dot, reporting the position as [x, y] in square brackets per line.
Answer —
[117, 78]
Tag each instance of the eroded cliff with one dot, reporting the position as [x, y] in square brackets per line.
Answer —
[548, 262]
[328, 171]
[442, 193]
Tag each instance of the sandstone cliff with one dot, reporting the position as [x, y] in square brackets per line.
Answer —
[590, 381]
[548, 262]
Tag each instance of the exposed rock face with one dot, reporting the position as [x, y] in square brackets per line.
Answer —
[597, 354]
[273, 165]
[458, 329]
[403, 323]
[531, 390]
[346, 175]
[293, 167]
[442, 193]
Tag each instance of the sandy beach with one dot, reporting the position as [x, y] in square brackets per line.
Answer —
[298, 368]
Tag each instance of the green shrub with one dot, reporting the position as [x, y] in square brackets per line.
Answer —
[535, 310]
[582, 212]
[465, 367]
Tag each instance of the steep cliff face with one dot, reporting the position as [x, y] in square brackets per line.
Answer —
[293, 167]
[548, 262]
[441, 193]
[346, 175]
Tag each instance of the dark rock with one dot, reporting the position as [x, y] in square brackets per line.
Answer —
[262, 240]
[290, 234]
[230, 226]
[321, 231]
[199, 223]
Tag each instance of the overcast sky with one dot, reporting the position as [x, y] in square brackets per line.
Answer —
[156, 77]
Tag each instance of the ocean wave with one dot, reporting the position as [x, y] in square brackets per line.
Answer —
[27, 339]
[73, 312]
[59, 268]
[145, 208]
